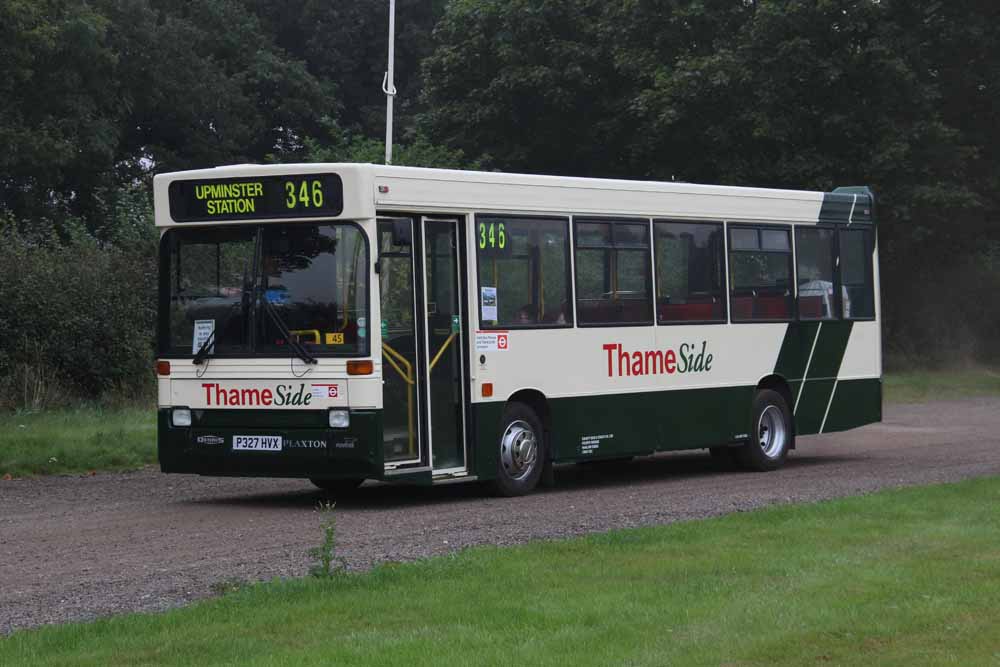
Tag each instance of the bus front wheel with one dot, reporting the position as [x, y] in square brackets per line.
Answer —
[522, 452]
[771, 434]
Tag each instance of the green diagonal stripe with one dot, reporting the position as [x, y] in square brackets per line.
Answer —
[794, 353]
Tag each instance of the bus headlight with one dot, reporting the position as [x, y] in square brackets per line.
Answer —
[181, 417]
[340, 418]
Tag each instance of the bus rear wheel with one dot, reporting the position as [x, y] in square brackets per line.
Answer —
[338, 487]
[771, 434]
[522, 451]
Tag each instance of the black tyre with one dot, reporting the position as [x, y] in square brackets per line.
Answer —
[338, 487]
[521, 451]
[771, 434]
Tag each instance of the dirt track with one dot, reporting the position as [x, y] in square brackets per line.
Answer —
[75, 548]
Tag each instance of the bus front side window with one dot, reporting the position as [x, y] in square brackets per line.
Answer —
[523, 271]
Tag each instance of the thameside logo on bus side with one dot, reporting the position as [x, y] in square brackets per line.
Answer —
[284, 394]
[688, 358]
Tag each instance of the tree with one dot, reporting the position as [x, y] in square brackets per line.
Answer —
[60, 119]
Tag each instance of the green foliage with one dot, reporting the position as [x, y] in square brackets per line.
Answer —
[416, 151]
[77, 310]
[60, 119]
[784, 93]
[328, 563]
[780, 93]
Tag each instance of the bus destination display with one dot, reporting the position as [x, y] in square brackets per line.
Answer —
[255, 198]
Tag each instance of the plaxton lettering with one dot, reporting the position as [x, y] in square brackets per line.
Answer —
[656, 362]
[216, 395]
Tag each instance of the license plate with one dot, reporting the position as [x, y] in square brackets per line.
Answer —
[257, 443]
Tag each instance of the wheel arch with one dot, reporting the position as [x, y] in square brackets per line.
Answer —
[538, 402]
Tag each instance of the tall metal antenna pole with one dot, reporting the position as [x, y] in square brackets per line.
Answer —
[387, 83]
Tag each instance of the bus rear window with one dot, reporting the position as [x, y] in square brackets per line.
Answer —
[856, 250]
[816, 271]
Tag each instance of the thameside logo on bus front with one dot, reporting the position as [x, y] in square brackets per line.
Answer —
[283, 394]
[688, 358]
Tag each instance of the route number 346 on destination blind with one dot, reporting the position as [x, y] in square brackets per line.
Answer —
[305, 194]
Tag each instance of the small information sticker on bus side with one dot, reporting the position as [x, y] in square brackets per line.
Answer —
[257, 443]
[492, 341]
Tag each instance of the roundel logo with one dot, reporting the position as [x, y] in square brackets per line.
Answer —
[501, 341]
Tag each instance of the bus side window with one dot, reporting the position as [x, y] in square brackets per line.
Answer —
[613, 276]
[815, 261]
[760, 273]
[689, 272]
[856, 273]
[523, 271]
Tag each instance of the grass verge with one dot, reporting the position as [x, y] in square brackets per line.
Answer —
[918, 386]
[896, 578]
[64, 441]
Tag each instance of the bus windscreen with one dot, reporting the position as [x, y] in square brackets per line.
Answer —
[221, 282]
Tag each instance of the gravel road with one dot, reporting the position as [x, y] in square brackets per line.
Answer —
[75, 548]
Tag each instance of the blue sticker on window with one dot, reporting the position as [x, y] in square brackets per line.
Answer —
[278, 296]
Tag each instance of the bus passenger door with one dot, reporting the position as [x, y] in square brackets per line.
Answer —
[444, 345]
[423, 412]
[402, 392]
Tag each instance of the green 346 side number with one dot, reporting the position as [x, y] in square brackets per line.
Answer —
[304, 194]
[492, 236]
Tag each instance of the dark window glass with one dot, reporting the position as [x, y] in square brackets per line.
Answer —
[210, 273]
[760, 274]
[816, 273]
[314, 278]
[523, 272]
[744, 239]
[771, 239]
[613, 273]
[593, 234]
[856, 249]
[689, 272]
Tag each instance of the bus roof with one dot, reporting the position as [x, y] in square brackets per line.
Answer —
[369, 189]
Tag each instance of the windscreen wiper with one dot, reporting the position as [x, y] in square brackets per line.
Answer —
[203, 351]
[199, 356]
[272, 312]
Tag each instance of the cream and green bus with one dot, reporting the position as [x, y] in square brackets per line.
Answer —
[351, 322]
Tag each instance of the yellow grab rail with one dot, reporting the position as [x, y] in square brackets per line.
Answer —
[395, 358]
[440, 352]
[312, 332]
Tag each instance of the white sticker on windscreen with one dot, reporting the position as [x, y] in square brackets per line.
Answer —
[202, 330]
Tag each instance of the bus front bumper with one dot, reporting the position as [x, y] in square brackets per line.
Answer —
[272, 443]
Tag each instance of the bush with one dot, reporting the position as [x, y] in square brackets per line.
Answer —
[77, 314]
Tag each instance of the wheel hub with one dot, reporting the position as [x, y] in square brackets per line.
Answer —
[771, 433]
[518, 449]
